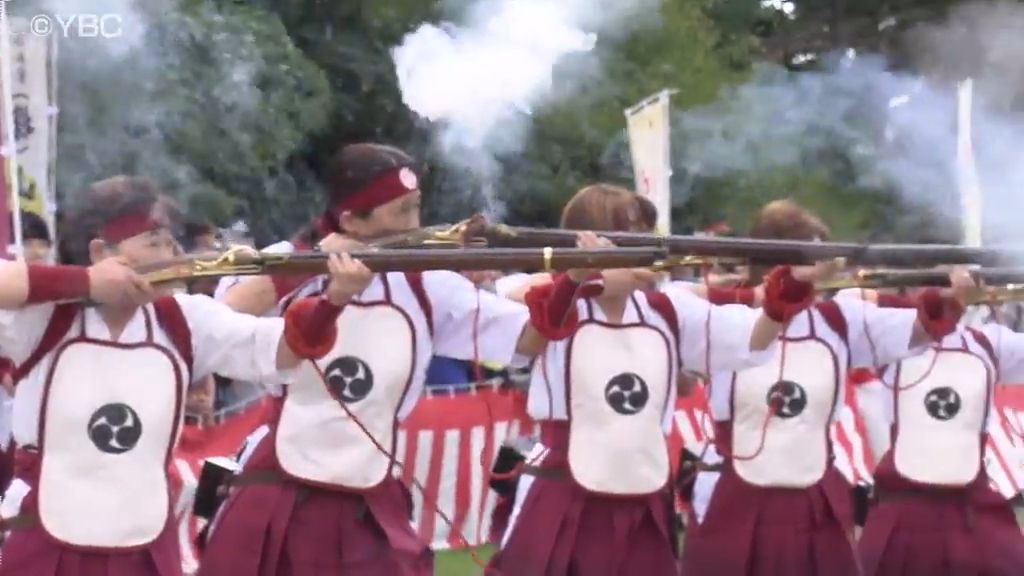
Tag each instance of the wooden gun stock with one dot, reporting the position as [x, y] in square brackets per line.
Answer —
[251, 263]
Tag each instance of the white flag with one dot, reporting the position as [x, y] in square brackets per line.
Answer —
[649, 129]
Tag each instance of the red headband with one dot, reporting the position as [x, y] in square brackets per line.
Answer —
[127, 226]
[385, 188]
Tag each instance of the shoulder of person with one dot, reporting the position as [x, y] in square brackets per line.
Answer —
[282, 247]
[511, 282]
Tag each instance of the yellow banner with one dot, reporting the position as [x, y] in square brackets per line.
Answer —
[649, 126]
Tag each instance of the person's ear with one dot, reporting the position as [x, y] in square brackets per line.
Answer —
[97, 250]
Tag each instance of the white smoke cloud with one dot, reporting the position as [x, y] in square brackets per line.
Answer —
[187, 95]
[899, 129]
[480, 79]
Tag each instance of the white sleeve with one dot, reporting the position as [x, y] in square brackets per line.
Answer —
[681, 284]
[506, 284]
[876, 336]
[1009, 350]
[464, 314]
[232, 344]
[228, 282]
[21, 330]
[725, 330]
[875, 404]
[850, 294]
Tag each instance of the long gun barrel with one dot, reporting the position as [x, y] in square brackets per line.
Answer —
[767, 252]
[240, 262]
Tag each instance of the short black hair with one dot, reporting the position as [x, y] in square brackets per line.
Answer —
[193, 230]
[33, 227]
[196, 228]
[99, 204]
[356, 165]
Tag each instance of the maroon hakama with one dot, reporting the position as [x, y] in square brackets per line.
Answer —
[940, 532]
[31, 551]
[563, 530]
[284, 528]
[500, 516]
[753, 531]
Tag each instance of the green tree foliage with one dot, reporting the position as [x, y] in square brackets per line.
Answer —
[235, 106]
[211, 100]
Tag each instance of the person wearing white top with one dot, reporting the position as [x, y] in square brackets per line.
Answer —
[100, 389]
[318, 491]
[936, 511]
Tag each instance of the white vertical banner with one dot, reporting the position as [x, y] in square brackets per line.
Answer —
[29, 119]
[8, 150]
[967, 173]
[649, 127]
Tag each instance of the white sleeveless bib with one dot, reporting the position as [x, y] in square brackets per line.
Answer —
[940, 420]
[110, 418]
[619, 380]
[363, 380]
[793, 450]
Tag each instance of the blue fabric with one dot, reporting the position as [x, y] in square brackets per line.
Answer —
[448, 371]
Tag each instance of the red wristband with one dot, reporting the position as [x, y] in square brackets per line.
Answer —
[311, 327]
[896, 301]
[731, 295]
[55, 283]
[553, 307]
[938, 314]
[785, 296]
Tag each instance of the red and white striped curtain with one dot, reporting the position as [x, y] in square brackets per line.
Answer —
[447, 445]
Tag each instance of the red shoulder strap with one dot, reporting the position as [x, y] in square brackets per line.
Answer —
[170, 317]
[834, 318]
[300, 290]
[415, 280]
[985, 343]
[661, 304]
[61, 320]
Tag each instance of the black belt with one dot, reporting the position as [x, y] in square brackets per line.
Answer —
[547, 472]
[269, 477]
[701, 466]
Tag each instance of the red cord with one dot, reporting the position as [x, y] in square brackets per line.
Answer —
[722, 447]
[709, 434]
[478, 373]
[416, 483]
[999, 346]
[874, 355]
[867, 332]
[706, 415]
[773, 407]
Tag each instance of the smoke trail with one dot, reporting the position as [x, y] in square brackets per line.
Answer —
[481, 79]
[898, 129]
